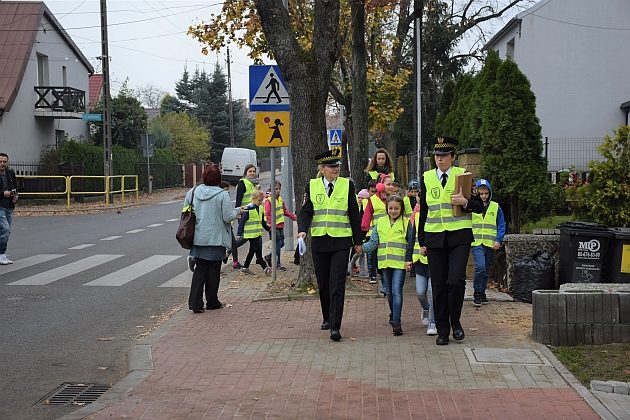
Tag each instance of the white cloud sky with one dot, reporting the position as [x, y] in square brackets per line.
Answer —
[160, 56]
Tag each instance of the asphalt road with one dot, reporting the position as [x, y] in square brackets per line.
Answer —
[55, 328]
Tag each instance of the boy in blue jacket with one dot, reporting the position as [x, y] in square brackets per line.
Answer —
[489, 230]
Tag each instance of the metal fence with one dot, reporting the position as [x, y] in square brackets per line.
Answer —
[570, 153]
[164, 175]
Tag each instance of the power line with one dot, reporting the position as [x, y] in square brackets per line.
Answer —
[580, 24]
[73, 10]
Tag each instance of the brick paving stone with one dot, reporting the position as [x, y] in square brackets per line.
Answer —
[269, 359]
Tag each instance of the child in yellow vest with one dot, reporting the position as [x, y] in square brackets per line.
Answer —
[391, 235]
[250, 228]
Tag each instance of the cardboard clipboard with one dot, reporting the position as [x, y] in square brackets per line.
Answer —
[465, 182]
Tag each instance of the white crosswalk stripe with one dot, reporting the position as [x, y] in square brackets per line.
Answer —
[171, 220]
[59, 273]
[111, 238]
[82, 246]
[181, 280]
[155, 225]
[129, 273]
[29, 261]
[135, 231]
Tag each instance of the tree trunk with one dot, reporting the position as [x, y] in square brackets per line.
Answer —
[307, 74]
[359, 144]
[514, 214]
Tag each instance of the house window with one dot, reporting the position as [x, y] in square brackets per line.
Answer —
[60, 136]
[64, 75]
[42, 70]
[509, 52]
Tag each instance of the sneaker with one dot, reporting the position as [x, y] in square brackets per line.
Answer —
[236, 265]
[191, 263]
[268, 259]
[397, 329]
[246, 270]
[364, 274]
[355, 271]
[372, 280]
[477, 299]
[4, 260]
[267, 271]
[280, 268]
[484, 299]
[425, 317]
[432, 330]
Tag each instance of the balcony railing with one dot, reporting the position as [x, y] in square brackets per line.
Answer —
[60, 99]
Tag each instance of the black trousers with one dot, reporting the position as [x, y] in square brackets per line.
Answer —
[255, 248]
[207, 275]
[448, 280]
[330, 269]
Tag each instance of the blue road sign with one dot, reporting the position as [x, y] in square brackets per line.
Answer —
[267, 89]
[334, 137]
[92, 117]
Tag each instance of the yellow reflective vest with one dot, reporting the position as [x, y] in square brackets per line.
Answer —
[249, 189]
[253, 225]
[379, 210]
[392, 242]
[407, 205]
[375, 175]
[485, 226]
[279, 210]
[440, 210]
[330, 214]
[417, 256]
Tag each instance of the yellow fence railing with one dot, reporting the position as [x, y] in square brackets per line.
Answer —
[68, 191]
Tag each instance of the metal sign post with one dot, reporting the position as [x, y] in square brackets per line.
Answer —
[272, 209]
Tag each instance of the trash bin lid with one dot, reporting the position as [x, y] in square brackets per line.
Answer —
[585, 228]
[621, 233]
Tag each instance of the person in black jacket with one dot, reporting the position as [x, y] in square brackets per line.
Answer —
[8, 198]
[336, 228]
[446, 239]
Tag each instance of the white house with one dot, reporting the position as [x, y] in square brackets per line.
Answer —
[576, 54]
[43, 81]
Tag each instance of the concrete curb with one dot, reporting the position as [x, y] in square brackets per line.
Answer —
[584, 392]
[140, 364]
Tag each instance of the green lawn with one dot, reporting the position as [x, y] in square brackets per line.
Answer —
[551, 222]
[607, 362]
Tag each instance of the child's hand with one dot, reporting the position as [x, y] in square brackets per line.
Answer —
[358, 249]
[496, 246]
[408, 265]
[423, 250]
[238, 238]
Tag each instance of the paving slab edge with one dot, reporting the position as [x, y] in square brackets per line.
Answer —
[140, 365]
[584, 392]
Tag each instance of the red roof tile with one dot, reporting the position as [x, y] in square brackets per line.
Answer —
[95, 90]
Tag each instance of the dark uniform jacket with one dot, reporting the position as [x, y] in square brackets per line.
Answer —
[446, 238]
[8, 202]
[328, 243]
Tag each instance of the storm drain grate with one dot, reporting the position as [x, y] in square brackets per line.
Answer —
[75, 394]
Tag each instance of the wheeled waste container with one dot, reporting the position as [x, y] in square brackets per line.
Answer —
[584, 252]
[619, 266]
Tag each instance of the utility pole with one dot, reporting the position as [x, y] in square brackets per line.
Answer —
[418, 9]
[107, 103]
[230, 99]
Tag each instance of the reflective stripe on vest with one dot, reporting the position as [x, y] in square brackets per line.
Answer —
[249, 189]
[392, 243]
[375, 175]
[279, 211]
[253, 225]
[485, 226]
[330, 214]
[417, 256]
[440, 210]
[379, 210]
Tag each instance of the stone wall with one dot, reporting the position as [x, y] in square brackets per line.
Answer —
[471, 160]
[576, 317]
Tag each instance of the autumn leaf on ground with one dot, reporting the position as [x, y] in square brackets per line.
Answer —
[310, 291]
[229, 305]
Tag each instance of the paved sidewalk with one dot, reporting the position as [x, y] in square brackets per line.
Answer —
[269, 359]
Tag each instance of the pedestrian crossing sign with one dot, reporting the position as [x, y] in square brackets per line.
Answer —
[272, 129]
[334, 137]
[340, 154]
[267, 89]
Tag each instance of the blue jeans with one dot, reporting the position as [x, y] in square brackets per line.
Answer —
[424, 290]
[6, 216]
[394, 280]
[483, 256]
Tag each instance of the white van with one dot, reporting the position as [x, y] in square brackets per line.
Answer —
[233, 162]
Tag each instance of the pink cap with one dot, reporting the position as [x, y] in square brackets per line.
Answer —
[363, 193]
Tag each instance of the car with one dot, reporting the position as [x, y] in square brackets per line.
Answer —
[233, 163]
